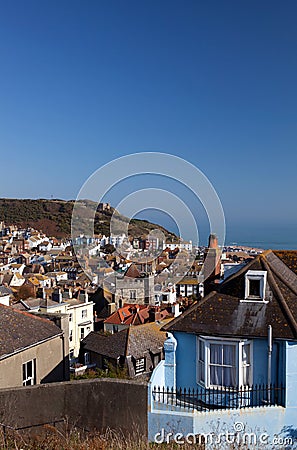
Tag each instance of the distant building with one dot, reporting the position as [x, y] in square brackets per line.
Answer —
[79, 310]
[138, 349]
[134, 288]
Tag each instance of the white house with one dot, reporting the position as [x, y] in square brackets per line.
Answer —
[17, 268]
[79, 310]
[182, 245]
[165, 294]
[45, 246]
[34, 241]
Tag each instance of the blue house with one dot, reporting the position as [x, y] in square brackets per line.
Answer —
[230, 369]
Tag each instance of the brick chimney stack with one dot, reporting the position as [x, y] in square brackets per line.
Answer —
[212, 264]
[213, 241]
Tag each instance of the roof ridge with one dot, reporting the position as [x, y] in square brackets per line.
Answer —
[127, 341]
[32, 316]
[280, 276]
[283, 304]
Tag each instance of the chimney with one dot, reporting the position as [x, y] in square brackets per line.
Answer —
[111, 308]
[213, 241]
[212, 264]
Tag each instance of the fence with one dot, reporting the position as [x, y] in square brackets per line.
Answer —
[222, 397]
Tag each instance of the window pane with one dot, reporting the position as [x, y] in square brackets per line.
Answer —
[29, 373]
[202, 371]
[246, 353]
[201, 351]
[246, 375]
[229, 376]
[29, 369]
[229, 355]
[215, 353]
[216, 375]
[254, 288]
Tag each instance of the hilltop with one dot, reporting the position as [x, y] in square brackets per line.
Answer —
[53, 217]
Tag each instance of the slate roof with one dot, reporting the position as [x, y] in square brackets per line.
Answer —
[7, 278]
[19, 330]
[289, 258]
[5, 291]
[29, 303]
[111, 345]
[132, 341]
[223, 314]
[145, 337]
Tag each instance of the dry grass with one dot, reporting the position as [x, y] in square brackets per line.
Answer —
[71, 438]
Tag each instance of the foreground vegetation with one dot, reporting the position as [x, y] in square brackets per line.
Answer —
[50, 438]
[109, 372]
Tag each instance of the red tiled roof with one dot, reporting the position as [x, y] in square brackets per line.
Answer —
[129, 314]
[132, 272]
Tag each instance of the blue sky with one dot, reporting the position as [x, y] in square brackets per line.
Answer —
[213, 82]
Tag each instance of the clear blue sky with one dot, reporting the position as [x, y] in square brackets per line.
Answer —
[214, 82]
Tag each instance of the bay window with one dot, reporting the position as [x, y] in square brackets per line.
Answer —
[223, 362]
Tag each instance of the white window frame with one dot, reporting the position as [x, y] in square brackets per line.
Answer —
[87, 358]
[84, 314]
[29, 380]
[82, 333]
[255, 275]
[139, 366]
[133, 294]
[240, 364]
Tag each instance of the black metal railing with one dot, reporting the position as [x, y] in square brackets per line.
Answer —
[222, 397]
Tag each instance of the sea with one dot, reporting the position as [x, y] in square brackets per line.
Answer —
[282, 237]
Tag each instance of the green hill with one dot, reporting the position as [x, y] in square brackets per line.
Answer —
[53, 217]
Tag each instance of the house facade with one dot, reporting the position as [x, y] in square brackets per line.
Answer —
[33, 350]
[231, 358]
[79, 311]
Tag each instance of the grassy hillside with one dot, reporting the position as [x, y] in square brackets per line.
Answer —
[53, 217]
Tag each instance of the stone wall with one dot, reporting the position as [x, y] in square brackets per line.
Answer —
[90, 404]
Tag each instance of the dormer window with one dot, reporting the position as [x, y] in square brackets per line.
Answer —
[255, 283]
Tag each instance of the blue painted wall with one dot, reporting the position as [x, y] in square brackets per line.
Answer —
[185, 360]
[260, 362]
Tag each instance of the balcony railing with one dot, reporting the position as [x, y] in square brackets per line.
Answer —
[202, 399]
